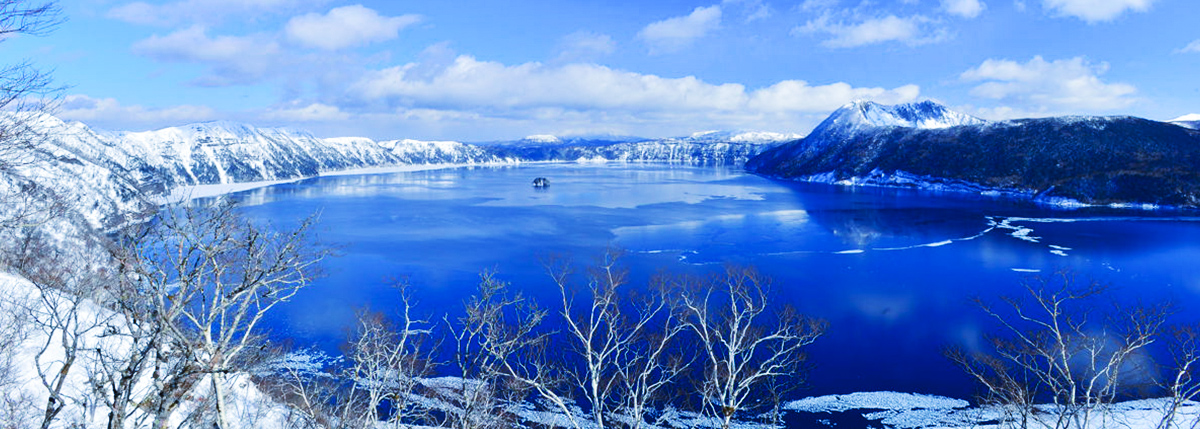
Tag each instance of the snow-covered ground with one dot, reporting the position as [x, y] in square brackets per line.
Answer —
[32, 348]
[913, 411]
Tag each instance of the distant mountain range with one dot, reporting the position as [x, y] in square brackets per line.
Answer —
[112, 175]
[1064, 160]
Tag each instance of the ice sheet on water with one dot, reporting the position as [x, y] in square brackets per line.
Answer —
[874, 401]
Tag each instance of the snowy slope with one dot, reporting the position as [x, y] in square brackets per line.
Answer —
[110, 176]
[1117, 160]
[866, 116]
[222, 152]
[1191, 120]
[100, 182]
[747, 137]
[408, 151]
[30, 346]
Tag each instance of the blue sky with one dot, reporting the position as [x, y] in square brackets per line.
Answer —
[476, 70]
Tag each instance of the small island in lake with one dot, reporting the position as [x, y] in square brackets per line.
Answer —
[541, 182]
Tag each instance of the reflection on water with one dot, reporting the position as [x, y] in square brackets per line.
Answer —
[891, 270]
[623, 186]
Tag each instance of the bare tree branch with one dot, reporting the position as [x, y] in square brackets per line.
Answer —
[1050, 348]
[743, 345]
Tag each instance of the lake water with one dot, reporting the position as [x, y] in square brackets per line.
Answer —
[893, 271]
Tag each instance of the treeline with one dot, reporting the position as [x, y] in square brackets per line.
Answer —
[608, 354]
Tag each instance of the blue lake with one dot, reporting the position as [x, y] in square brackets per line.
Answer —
[893, 271]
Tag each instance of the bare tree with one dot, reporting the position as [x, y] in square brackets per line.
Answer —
[24, 91]
[312, 398]
[1182, 384]
[1054, 347]
[623, 364]
[498, 352]
[210, 276]
[389, 358]
[653, 362]
[63, 316]
[131, 341]
[743, 344]
[18, 408]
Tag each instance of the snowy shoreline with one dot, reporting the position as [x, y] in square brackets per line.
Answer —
[188, 193]
[905, 180]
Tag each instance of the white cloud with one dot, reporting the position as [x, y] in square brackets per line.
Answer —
[199, 11]
[814, 5]
[676, 33]
[345, 27]
[109, 113]
[1094, 11]
[315, 112]
[585, 45]
[537, 90]
[964, 8]
[799, 96]
[234, 59]
[1073, 84]
[914, 30]
[1193, 47]
[750, 10]
[470, 83]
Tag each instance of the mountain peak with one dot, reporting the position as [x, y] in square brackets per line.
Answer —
[925, 114]
[862, 114]
[742, 136]
[1191, 120]
[542, 139]
[228, 129]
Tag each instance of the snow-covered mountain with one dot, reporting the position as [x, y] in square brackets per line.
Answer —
[224, 152]
[861, 118]
[867, 116]
[422, 152]
[748, 137]
[709, 148]
[69, 162]
[115, 174]
[1093, 160]
[1191, 120]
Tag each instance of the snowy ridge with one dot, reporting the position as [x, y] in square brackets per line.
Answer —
[682, 151]
[76, 165]
[222, 152]
[115, 173]
[542, 138]
[408, 151]
[750, 137]
[1191, 120]
[860, 116]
